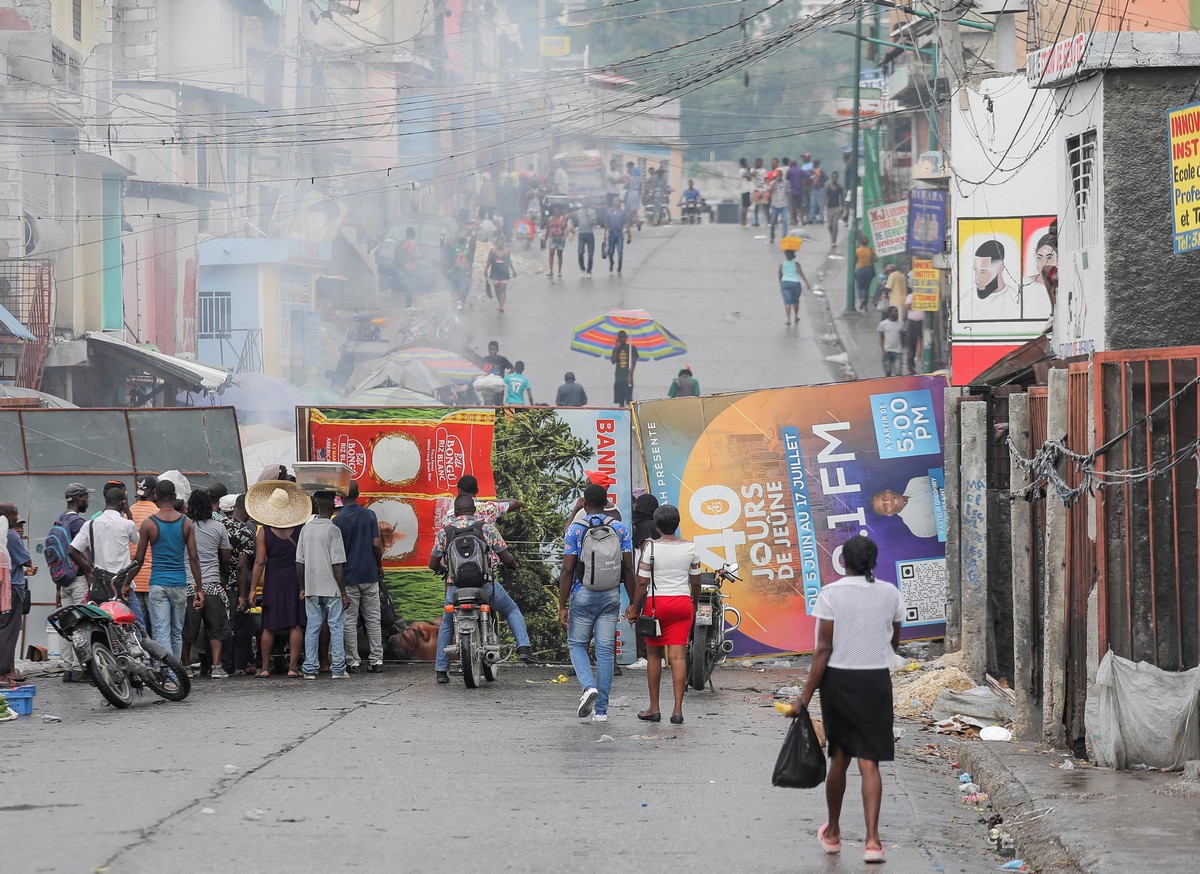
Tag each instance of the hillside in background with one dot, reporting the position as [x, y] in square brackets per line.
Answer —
[781, 105]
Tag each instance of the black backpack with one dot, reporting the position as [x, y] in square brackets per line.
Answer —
[467, 556]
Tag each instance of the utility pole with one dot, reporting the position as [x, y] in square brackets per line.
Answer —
[852, 174]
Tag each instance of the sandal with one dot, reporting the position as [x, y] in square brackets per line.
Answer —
[874, 856]
[647, 716]
[831, 848]
[263, 673]
[294, 674]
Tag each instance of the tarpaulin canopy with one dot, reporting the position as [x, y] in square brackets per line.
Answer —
[190, 375]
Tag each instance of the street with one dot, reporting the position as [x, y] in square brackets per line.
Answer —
[393, 769]
[714, 286]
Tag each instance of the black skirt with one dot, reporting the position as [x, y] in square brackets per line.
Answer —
[856, 709]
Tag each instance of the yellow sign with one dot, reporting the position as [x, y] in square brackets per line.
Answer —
[1184, 131]
[554, 46]
[924, 281]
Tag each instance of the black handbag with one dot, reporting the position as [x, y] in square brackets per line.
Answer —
[801, 763]
[648, 626]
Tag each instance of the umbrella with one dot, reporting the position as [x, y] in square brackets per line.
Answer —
[443, 361]
[598, 337]
[393, 396]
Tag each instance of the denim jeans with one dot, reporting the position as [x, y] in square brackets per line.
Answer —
[135, 604]
[778, 213]
[616, 250]
[587, 243]
[891, 363]
[168, 607]
[814, 205]
[321, 609]
[501, 602]
[594, 614]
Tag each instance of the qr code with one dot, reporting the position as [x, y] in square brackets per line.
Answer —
[923, 586]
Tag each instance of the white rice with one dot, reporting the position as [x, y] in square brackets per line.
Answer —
[396, 459]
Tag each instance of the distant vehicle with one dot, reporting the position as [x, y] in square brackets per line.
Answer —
[434, 236]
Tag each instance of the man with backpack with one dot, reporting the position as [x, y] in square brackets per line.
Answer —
[464, 551]
[103, 544]
[70, 586]
[597, 560]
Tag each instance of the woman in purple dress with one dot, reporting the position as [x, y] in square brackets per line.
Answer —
[282, 508]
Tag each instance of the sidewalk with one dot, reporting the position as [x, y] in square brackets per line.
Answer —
[1086, 819]
[856, 331]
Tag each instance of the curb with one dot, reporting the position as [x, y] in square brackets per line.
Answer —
[1031, 824]
[840, 327]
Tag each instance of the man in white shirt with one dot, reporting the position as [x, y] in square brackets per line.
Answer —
[104, 542]
[562, 182]
[914, 506]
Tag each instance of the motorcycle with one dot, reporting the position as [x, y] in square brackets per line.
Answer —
[476, 636]
[108, 641]
[692, 211]
[707, 644]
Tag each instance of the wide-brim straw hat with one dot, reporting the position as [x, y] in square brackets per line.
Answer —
[278, 504]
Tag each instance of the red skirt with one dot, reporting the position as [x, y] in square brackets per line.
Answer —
[674, 615]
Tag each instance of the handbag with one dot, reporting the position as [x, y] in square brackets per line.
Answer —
[604, 250]
[648, 626]
[801, 764]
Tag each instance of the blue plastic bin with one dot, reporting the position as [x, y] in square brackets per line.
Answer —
[20, 699]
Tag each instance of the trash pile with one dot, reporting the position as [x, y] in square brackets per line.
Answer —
[948, 699]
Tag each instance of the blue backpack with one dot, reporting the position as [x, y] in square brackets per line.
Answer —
[62, 569]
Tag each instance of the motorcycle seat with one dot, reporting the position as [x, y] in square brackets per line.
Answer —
[471, 596]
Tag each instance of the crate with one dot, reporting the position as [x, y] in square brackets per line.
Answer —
[318, 476]
[20, 699]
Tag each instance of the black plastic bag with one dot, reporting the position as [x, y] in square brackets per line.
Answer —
[801, 763]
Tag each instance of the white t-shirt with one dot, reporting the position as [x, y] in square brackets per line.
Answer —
[674, 561]
[862, 614]
[113, 535]
[918, 513]
[892, 333]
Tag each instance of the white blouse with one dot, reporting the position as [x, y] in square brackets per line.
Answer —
[673, 561]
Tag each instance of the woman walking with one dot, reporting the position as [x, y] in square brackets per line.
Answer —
[281, 508]
[667, 589]
[500, 270]
[864, 271]
[790, 274]
[858, 632]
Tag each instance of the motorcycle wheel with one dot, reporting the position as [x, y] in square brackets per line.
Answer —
[112, 682]
[471, 659]
[170, 680]
[701, 661]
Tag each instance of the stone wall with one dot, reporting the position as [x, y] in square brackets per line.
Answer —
[1151, 293]
[135, 37]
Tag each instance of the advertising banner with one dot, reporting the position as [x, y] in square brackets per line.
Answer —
[1184, 133]
[408, 463]
[927, 221]
[924, 281]
[778, 479]
[889, 228]
[870, 102]
[1001, 300]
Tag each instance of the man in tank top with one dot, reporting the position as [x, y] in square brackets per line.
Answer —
[172, 540]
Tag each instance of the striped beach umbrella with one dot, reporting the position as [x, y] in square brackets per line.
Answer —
[598, 337]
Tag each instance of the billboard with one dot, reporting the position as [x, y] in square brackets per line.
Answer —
[408, 462]
[1000, 299]
[925, 283]
[927, 221]
[1183, 131]
[889, 228]
[778, 479]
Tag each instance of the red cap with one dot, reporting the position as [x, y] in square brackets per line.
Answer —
[599, 478]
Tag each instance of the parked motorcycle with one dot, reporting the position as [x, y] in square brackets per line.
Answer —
[476, 636]
[707, 645]
[108, 641]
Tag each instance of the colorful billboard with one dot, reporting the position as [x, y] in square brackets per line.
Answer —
[927, 221]
[925, 283]
[1001, 300]
[889, 228]
[778, 479]
[1183, 131]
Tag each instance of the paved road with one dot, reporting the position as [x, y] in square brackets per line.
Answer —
[394, 770]
[715, 286]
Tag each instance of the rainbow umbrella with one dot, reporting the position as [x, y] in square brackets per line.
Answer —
[598, 337]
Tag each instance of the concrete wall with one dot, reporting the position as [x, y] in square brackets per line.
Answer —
[1146, 285]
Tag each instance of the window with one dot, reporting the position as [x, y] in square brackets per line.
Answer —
[77, 19]
[1084, 194]
[215, 316]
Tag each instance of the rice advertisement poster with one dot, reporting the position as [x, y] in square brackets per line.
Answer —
[777, 480]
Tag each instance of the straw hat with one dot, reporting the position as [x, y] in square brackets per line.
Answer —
[278, 504]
